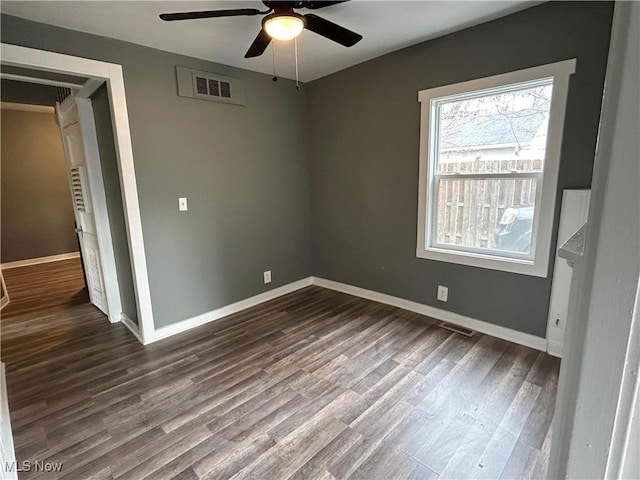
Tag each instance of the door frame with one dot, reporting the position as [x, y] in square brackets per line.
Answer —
[110, 73]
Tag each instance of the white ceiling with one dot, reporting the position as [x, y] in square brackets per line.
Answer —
[385, 25]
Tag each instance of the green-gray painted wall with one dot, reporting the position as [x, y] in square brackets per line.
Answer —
[244, 170]
[37, 210]
[113, 195]
[14, 91]
[364, 157]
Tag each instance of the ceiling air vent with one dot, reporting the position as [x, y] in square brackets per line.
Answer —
[209, 86]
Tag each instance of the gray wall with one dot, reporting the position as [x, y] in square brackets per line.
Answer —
[243, 169]
[23, 92]
[37, 210]
[113, 194]
[364, 157]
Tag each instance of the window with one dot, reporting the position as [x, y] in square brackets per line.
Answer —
[489, 158]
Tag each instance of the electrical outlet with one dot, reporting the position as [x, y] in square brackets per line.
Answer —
[558, 320]
[182, 204]
[443, 293]
[267, 276]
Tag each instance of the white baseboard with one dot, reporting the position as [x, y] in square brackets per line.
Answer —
[184, 325]
[554, 349]
[8, 464]
[39, 260]
[127, 322]
[514, 336]
[504, 333]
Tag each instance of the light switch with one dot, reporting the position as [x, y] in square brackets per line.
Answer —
[182, 204]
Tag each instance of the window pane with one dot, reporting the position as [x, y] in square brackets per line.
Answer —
[494, 133]
[496, 215]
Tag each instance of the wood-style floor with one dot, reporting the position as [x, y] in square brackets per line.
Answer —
[33, 287]
[313, 385]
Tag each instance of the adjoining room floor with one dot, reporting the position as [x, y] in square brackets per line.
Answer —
[38, 287]
[315, 384]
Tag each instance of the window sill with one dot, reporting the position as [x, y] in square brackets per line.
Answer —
[511, 265]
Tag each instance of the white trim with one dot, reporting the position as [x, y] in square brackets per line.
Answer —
[573, 214]
[27, 107]
[546, 198]
[99, 207]
[133, 328]
[555, 348]
[562, 68]
[188, 324]
[112, 74]
[504, 333]
[39, 81]
[131, 204]
[7, 452]
[38, 260]
[89, 88]
[4, 299]
[625, 442]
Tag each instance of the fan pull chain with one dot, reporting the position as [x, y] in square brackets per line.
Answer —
[273, 55]
[295, 47]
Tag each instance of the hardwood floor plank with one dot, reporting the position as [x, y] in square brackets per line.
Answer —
[343, 466]
[176, 466]
[272, 422]
[300, 416]
[99, 458]
[30, 288]
[497, 391]
[316, 467]
[385, 462]
[293, 451]
[186, 474]
[500, 446]
[229, 458]
[362, 384]
[155, 456]
[422, 473]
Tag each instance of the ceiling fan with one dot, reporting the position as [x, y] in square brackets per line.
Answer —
[281, 23]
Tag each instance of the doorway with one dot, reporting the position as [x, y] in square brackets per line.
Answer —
[40, 254]
[93, 75]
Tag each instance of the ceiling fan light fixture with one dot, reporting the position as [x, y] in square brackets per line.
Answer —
[283, 26]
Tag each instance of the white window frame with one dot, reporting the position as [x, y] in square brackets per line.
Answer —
[537, 263]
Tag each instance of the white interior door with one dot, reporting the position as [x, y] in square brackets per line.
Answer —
[82, 203]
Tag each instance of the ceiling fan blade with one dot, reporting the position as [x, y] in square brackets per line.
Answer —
[259, 45]
[314, 5]
[169, 17]
[331, 30]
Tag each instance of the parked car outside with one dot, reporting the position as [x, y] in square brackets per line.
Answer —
[513, 232]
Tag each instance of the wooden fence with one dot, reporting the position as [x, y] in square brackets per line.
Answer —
[469, 210]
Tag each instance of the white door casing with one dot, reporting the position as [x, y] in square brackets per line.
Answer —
[69, 123]
[574, 213]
